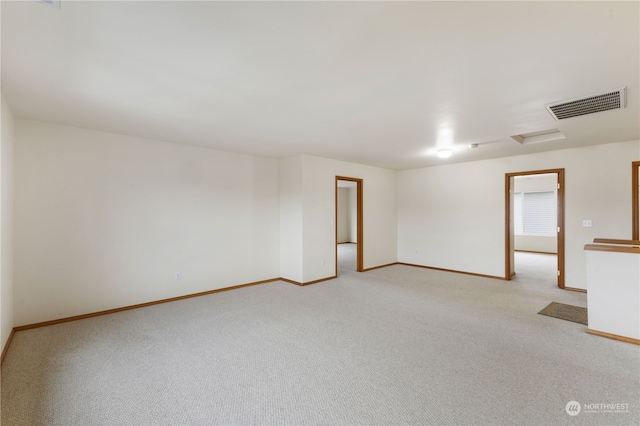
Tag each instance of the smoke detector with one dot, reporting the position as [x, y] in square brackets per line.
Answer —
[613, 99]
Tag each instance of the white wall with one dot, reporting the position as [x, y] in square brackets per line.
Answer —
[344, 216]
[6, 223]
[538, 243]
[353, 215]
[379, 209]
[613, 281]
[348, 215]
[105, 220]
[452, 216]
[291, 214]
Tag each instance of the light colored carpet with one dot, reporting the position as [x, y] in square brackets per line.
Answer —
[347, 258]
[397, 345]
[536, 269]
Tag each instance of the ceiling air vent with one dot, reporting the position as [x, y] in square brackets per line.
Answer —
[613, 99]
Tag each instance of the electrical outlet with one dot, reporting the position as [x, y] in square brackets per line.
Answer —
[586, 223]
[178, 276]
[322, 262]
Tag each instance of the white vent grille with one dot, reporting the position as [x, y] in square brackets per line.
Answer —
[614, 99]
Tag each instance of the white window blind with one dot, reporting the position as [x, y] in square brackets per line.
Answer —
[535, 213]
[517, 213]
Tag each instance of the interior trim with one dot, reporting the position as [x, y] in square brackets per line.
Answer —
[139, 305]
[579, 290]
[560, 221]
[142, 305]
[534, 251]
[617, 249]
[204, 293]
[452, 270]
[218, 290]
[635, 199]
[379, 266]
[6, 346]
[613, 336]
[614, 241]
[308, 282]
[157, 302]
[359, 225]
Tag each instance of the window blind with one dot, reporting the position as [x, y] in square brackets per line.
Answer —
[535, 213]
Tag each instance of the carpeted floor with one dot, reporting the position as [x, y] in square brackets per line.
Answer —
[536, 269]
[347, 258]
[397, 345]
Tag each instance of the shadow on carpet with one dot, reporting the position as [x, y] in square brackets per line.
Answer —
[565, 312]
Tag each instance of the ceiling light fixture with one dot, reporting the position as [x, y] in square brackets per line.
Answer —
[444, 153]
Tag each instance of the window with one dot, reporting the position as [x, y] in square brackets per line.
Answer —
[535, 213]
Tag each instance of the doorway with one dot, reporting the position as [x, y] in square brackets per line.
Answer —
[511, 221]
[348, 220]
[635, 200]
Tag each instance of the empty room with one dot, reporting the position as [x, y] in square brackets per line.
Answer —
[320, 213]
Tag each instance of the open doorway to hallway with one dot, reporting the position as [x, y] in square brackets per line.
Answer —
[535, 201]
[534, 226]
[348, 223]
[635, 200]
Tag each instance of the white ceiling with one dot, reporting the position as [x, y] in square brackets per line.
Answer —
[379, 83]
